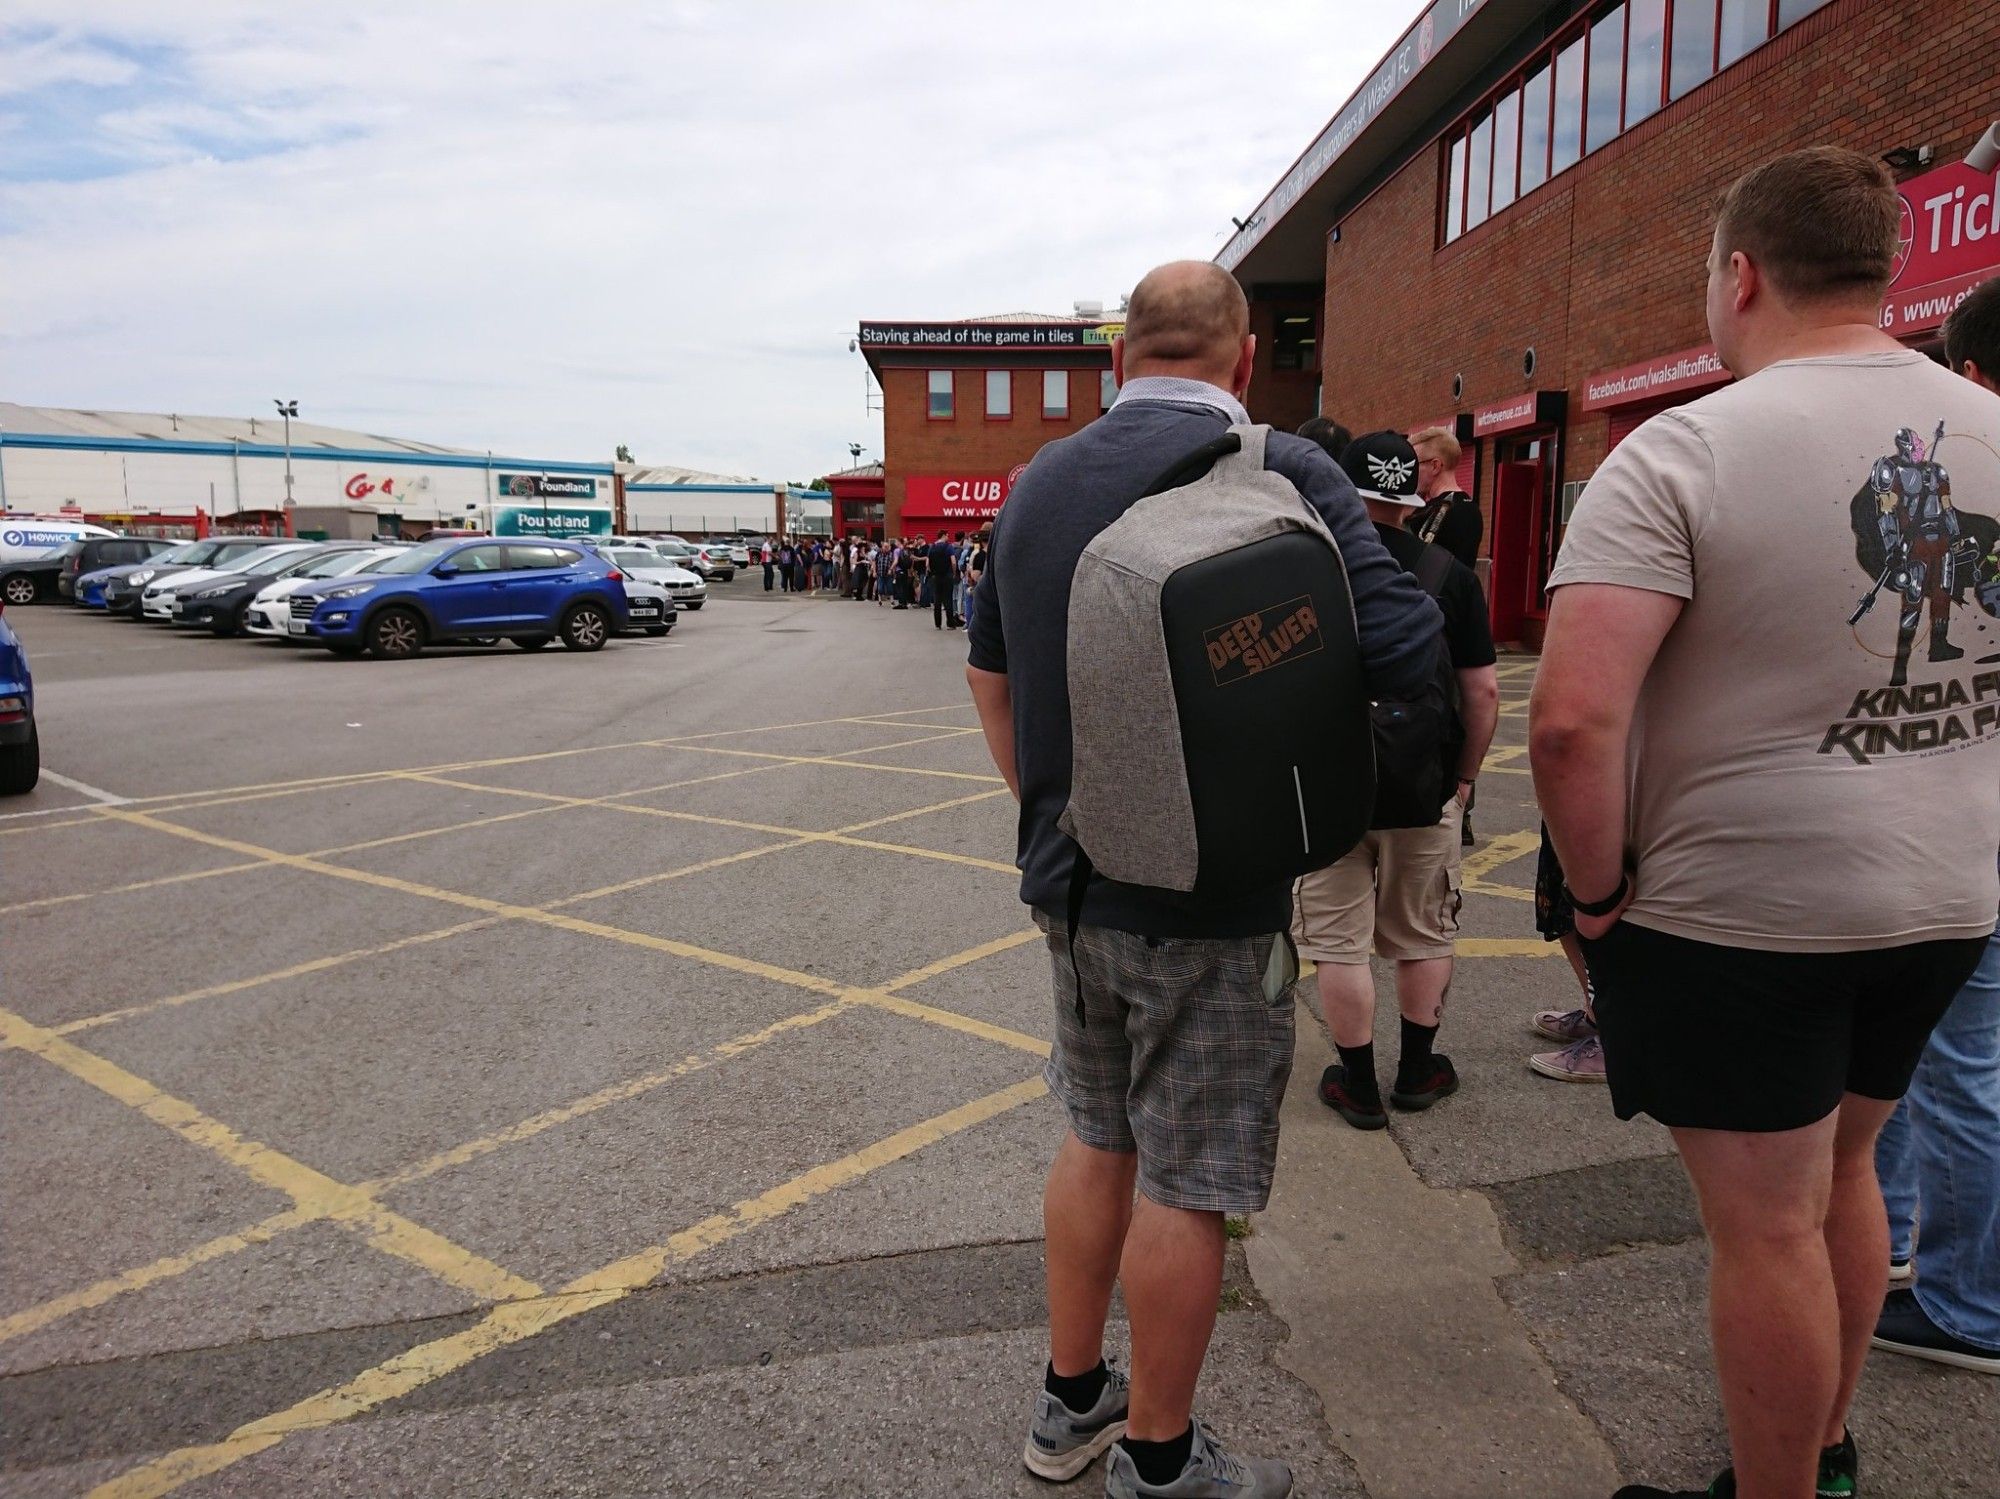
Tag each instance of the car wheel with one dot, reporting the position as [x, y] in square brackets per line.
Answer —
[21, 765]
[585, 628]
[531, 642]
[233, 625]
[19, 588]
[395, 635]
[656, 631]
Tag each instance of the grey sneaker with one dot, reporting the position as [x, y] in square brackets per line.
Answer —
[1566, 1026]
[1581, 1062]
[1062, 1443]
[1210, 1473]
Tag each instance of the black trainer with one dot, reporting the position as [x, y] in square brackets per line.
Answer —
[1905, 1327]
[1440, 1080]
[1336, 1095]
[1839, 1478]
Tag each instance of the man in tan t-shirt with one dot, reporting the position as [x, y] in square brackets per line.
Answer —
[1776, 798]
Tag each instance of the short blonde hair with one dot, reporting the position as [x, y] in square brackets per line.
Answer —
[1437, 442]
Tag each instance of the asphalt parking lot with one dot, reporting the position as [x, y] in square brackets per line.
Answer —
[620, 1074]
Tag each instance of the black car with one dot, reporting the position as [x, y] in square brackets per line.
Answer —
[89, 553]
[122, 591]
[220, 604]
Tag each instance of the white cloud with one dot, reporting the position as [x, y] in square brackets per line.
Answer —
[552, 229]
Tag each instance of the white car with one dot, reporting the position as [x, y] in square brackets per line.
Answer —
[685, 588]
[157, 602]
[734, 548]
[703, 561]
[271, 612]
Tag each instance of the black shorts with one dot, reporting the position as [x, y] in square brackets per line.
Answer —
[1707, 1037]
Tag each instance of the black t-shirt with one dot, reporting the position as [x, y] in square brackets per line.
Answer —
[1468, 634]
[943, 561]
[1459, 525]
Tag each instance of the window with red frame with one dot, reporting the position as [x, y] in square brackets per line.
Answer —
[1605, 72]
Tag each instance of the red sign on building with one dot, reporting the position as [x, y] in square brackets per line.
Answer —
[949, 497]
[1509, 415]
[1674, 374]
[1950, 244]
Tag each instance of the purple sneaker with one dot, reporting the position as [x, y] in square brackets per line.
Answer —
[1566, 1026]
[1580, 1062]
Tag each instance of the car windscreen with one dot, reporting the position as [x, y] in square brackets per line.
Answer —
[420, 558]
[301, 564]
[342, 563]
[187, 551]
[259, 562]
[633, 557]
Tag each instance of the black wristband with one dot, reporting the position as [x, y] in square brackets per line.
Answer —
[1600, 907]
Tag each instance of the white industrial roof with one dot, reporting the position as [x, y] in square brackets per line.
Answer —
[667, 474]
[179, 426]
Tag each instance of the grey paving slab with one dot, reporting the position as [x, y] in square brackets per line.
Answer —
[1594, 1210]
[93, 1188]
[856, 915]
[83, 858]
[315, 1278]
[1627, 1335]
[634, 1174]
[533, 861]
[324, 817]
[152, 944]
[369, 1067]
[926, 1418]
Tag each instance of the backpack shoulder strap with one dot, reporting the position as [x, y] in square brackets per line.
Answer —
[1428, 528]
[1433, 567]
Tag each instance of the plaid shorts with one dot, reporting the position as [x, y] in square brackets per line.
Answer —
[1184, 1058]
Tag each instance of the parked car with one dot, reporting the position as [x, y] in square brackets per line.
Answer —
[122, 589]
[221, 602]
[700, 560]
[156, 601]
[89, 553]
[31, 548]
[531, 592]
[685, 588]
[20, 746]
[270, 610]
[650, 607]
[733, 547]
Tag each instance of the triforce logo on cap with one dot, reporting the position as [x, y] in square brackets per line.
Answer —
[1383, 466]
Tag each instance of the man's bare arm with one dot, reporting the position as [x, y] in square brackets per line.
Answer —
[995, 702]
[1601, 641]
[1479, 713]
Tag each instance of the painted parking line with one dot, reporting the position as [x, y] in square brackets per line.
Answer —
[312, 1192]
[83, 788]
[516, 1322]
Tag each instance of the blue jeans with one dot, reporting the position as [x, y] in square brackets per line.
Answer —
[1939, 1158]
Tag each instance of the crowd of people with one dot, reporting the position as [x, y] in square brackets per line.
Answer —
[938, 575]
[1772, 858]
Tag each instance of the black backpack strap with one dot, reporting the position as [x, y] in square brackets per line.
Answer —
[1079, 886]
[1433, 567]
[1184, 471]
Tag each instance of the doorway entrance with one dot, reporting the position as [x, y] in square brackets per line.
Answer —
[1524, 519]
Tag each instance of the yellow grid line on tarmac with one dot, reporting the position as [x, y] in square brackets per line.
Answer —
[135, 886]
[887, 997]
[312, 1192]
[515, 1322]
[218, 796]
[910, 770]
[801, 835]
[1475, 866]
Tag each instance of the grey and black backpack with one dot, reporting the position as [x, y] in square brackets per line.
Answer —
[1219, 717]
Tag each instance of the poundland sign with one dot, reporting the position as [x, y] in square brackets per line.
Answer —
[546, 486]
[552, 520]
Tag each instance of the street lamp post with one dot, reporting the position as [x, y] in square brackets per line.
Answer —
[288, 410]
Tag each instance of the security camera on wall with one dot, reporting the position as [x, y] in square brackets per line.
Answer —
[1985, 153]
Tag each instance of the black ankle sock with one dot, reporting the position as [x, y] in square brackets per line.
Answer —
[1077, 1391]
[1160, 1463]
[1416, 1059]
[1360, 1064]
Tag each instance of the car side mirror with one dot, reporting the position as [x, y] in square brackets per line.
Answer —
[445, 570]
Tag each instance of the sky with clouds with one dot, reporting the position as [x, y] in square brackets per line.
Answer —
[550, 228]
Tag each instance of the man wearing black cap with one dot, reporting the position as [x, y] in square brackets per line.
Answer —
[1397, 894]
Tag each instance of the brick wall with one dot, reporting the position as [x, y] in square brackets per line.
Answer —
[1604, 265]
[970, 443]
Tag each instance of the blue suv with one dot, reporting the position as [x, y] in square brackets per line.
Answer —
[20, 749]
[453, 589]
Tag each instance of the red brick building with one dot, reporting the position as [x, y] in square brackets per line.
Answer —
[965, 405]
[1504, 230]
